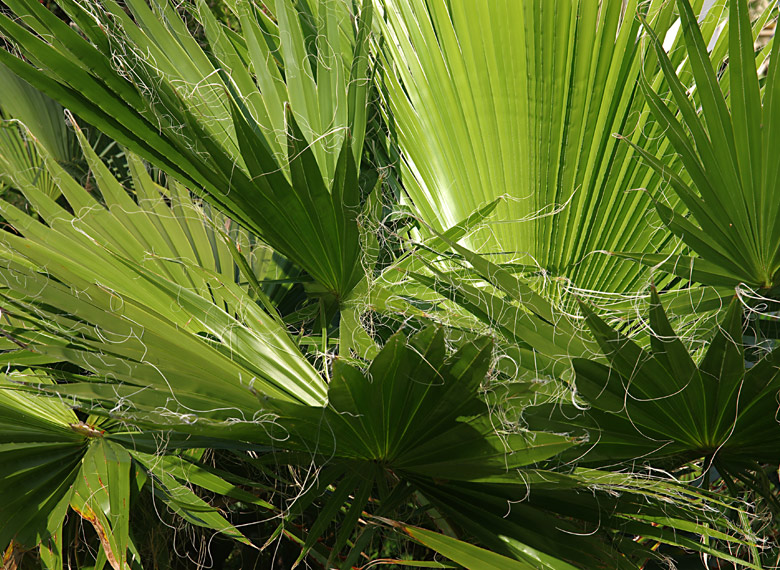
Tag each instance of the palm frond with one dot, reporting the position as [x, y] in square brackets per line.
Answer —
[508, 103]
[216, 132]
[141, 306]
[732, 192]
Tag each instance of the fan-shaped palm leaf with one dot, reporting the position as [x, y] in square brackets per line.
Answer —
[511, 98]
[136, 307]
[172, 104]
[658, 404]
[733, 193]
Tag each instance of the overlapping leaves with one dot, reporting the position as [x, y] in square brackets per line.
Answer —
[521, 102]
[178, 107]
[132, 300]
[137, 291]
[51, 461]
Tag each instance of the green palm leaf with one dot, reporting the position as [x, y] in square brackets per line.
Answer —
[51, 461]
[42, 115]
[473, 557]
[732, 194]
[235, 138]
[658, 402]
[163, 317]
[509, 103]
[137, 308]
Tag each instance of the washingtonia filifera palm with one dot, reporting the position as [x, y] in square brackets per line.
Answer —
[381, 396]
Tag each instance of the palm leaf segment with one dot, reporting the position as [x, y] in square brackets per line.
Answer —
[23, 104]
[284, 164]
[137, 274]
[414, 413]
[734, 182]
[426, 416]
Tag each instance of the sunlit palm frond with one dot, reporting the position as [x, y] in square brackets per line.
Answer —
[732, 193]
[145, 292]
